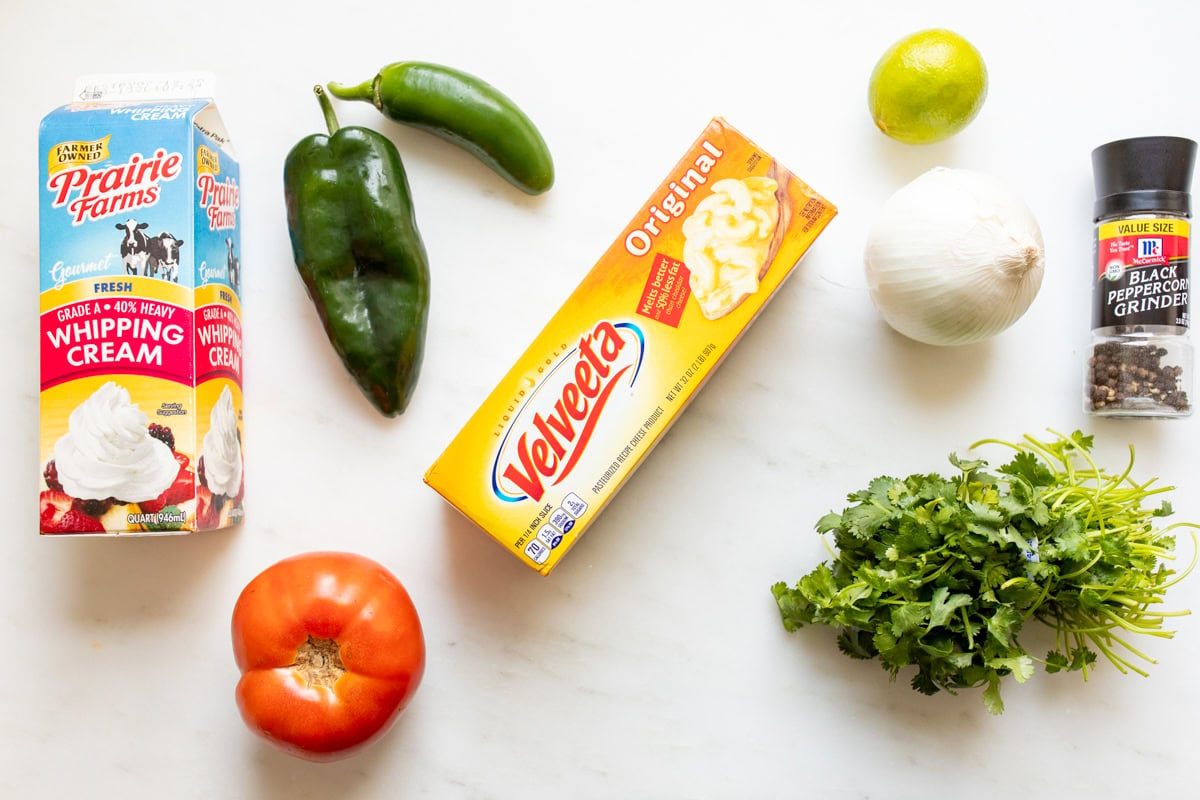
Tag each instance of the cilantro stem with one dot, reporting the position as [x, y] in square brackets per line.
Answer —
[1038, 604]
[1129, 626]
[1195, 553]
[1128, 468]
[1135, 651]
[1080, 645]
[1095, 560]
[1120, 663]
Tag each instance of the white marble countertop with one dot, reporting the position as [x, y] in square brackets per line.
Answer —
[652, 663]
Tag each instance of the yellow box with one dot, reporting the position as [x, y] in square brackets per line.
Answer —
[631, 346]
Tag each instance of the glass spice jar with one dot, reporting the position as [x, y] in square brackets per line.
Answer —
[1140, 363]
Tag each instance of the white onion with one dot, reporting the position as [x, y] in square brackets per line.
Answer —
[954, 257]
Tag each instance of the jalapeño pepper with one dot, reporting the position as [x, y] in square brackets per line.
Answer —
[464, 110]
[356, 245]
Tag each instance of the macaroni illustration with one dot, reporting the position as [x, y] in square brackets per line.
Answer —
[728, 241]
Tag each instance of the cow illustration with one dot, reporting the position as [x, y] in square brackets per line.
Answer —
[164, 257]
[135, 247]
[234, 268]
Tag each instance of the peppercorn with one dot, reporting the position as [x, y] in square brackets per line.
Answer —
[1124, 375]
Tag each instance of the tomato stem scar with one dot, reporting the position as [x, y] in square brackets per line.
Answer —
[319, 662]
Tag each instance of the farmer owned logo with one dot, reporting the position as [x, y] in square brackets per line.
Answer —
[71, 154]
[208, 160]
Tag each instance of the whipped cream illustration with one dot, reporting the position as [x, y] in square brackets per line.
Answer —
[108, 451]
[222, 451]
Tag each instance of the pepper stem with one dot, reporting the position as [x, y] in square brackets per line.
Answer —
[331, 121]
[367, 90]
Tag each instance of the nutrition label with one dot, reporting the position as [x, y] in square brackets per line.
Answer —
[559, 524]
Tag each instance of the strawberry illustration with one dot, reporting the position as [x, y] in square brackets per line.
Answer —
[59, 515]
[208, 515]
[153, 506]
[182, 490]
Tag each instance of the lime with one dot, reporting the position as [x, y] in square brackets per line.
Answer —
[927, 87]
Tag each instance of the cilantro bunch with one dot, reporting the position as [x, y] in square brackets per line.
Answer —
[943, 573]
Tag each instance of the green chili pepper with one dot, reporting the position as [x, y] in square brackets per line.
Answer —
[356, 245]
[464, 110]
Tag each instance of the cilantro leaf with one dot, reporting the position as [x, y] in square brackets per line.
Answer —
[818, 586]
[880, 580]
[1039, 512]
[1003, 625]
[1056, 662]
[943, 605]
[864, 519]
[794, 609]
[1030, 469]
[1081, 657]
[894, 653]
[991, 695]
[994, 574]
[907, 617]
[968, 466]
[985, 514]
[829, 522]
[1021, 667]
[1015, 503]
[923, 682]
[1069, 538]
[856, 643]
[849, 595]
[1081, 441]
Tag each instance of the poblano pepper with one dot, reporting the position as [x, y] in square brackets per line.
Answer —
[356, 245]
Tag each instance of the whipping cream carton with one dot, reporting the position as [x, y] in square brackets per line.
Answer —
[141, 332]
[618, 363]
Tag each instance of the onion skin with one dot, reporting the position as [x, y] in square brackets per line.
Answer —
[954, 257]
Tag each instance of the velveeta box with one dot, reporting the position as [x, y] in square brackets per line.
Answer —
[618, 363]
[141, 333]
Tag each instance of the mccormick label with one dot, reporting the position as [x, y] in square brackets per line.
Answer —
[615, 366]
[140, 303]
[1142, 273]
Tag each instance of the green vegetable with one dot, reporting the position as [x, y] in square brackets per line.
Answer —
[465, 111]
[356, 245]
[943, 573]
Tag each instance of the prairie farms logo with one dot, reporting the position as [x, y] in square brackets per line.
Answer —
[220, 201]
[91, 194]
[550, 433]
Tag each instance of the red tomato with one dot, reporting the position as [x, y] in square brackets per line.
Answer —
[331, 651]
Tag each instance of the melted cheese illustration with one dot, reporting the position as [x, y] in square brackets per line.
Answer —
[728, 240]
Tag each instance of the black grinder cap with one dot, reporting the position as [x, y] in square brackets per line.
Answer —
[1150, 173]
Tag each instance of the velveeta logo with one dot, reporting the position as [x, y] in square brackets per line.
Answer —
[550, 433]
[89, 194]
